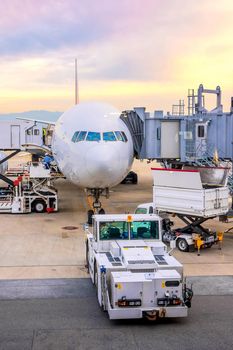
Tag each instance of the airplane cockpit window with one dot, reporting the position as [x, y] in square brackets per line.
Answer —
[109, 136]
[81, 136]
[93, 136]
[75, 136]
[124, 136]
[119, 136]
[115, 136]
[96, 136]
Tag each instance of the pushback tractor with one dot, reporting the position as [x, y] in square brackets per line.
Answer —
[134, 274]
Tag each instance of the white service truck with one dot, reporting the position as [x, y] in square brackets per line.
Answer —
[182, 193]
[133, 272]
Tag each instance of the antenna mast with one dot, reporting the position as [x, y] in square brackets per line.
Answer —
[76, 82]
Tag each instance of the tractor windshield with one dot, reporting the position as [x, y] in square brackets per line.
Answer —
[114, 230]
[144, 230]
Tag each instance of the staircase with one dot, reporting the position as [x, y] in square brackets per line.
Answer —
[208, 160]
[27, 207]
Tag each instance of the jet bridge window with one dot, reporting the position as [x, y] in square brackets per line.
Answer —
[201, 131]
[109, 136]
[113, 230]
[144, 230]
[93, 136]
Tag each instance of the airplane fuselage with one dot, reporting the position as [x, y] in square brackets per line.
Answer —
[92, 146]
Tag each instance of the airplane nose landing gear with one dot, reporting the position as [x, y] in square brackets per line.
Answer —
[96, 206]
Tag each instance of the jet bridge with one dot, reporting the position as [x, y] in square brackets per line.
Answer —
[135, 120]
[154, 135]
[194, 138]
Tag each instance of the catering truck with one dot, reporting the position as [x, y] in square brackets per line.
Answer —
[189, 195]
[134, 274]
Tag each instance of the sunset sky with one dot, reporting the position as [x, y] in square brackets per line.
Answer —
[130, 52]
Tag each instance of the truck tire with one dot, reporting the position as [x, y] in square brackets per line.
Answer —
[131, 177]
[182, 245]
[39, 206]
[135, 179]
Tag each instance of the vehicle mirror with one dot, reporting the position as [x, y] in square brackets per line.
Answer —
[85, 227]
[151, 210]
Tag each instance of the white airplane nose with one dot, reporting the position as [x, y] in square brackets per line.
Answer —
[102, 162]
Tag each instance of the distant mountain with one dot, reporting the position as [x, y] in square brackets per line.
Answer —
[40, 115]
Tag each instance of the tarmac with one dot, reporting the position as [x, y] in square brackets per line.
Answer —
[65, 315]
[41, 246]
[57, 288]
[47, 300]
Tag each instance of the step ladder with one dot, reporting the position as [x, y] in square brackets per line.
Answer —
[27, 207]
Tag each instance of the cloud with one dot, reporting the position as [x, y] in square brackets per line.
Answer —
[174, 43]
[32, 26]
[49, 33]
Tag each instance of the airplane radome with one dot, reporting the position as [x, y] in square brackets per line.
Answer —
[92, 146]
